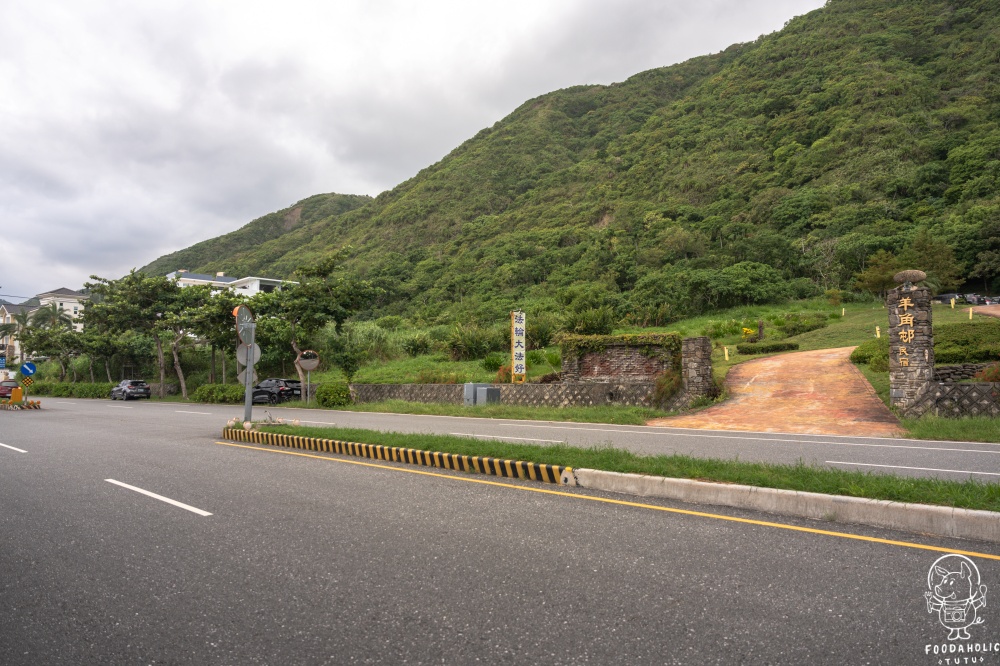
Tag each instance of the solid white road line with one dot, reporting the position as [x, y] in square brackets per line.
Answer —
[179, 411]
[13, 449]
[120, 407]
[522, 439]
[160, 497]
[921, 469]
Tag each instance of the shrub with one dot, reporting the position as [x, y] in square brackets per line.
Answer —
[503, 375]
[870, 348]
[553, 359]
[668, 383]
[550, 378]
[595, 321]
[417, 344]
[71, 390]
[535, 357]
[542, 329]
[990, 373]
[95, 390]
[879, 363]
[467, 343]
[719, 329]
[796, 324]
[390, 322]
[333, 394]
[972, 342]
[493, 361]
[435, 376]
[766, 347]
[371, 340]
[224, 394]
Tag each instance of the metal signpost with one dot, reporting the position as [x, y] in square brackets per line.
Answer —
[27, 369]
[308, 361]
[246, 329]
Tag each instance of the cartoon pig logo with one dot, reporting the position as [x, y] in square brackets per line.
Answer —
[956, 594]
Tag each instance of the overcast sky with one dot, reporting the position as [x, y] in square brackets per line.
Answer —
[132, 129]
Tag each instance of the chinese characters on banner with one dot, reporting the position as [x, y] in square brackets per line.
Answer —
[518, 348]
[905, 330]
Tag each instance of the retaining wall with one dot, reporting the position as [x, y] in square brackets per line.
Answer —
[956, 373]
[586, 394]
[957, 400]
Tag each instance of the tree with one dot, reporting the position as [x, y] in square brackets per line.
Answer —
[936, 258]
[322, 295]
[179, 317]
[134, 302]
[213, 322]
[877, 278]
[51, 316]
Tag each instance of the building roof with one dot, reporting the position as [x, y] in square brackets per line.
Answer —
[10, 308]
[201, 277]
[63, 291]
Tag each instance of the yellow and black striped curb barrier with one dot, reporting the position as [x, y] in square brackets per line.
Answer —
[513, 469]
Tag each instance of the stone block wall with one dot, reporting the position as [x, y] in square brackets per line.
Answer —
[587, 394]
[578, 394]
[956, 373]
[696, 369]
[446, 393]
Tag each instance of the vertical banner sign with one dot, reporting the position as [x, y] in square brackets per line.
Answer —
[518, 348]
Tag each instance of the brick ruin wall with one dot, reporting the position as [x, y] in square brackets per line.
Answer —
[616, 363]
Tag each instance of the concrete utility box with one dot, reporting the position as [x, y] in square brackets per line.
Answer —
[470, 393]
[487, 395]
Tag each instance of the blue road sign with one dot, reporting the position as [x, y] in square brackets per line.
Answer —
[28, 369]
[3, 362]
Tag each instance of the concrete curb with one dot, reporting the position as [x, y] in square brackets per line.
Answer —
[919, 518]
[502, 467]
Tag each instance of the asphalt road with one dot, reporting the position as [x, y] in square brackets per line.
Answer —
[276, 557]
[947, 460]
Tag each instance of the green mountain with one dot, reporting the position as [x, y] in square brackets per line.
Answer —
[249, 238]
[775, 168]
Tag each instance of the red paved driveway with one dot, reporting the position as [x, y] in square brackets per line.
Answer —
[818, 392]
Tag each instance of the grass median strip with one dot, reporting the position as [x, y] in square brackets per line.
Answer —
[613, 414]
[969, 494]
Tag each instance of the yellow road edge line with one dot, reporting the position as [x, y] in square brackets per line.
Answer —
[638, 505]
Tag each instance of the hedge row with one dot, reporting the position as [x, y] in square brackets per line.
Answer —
[766, 347]
[973, 342]
[72, 390]
[225, 394]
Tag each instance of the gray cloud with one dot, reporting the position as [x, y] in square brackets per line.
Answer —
[130, 131]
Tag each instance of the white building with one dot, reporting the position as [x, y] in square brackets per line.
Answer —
[246, 286]
[68, 301]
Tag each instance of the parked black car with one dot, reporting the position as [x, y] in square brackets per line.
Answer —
[274, 391]
[128, 389]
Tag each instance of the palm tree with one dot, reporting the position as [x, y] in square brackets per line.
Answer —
[51, 316]
[13, 330]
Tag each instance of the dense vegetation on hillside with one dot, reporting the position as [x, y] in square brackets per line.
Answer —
[861, 137]
[249, 238]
